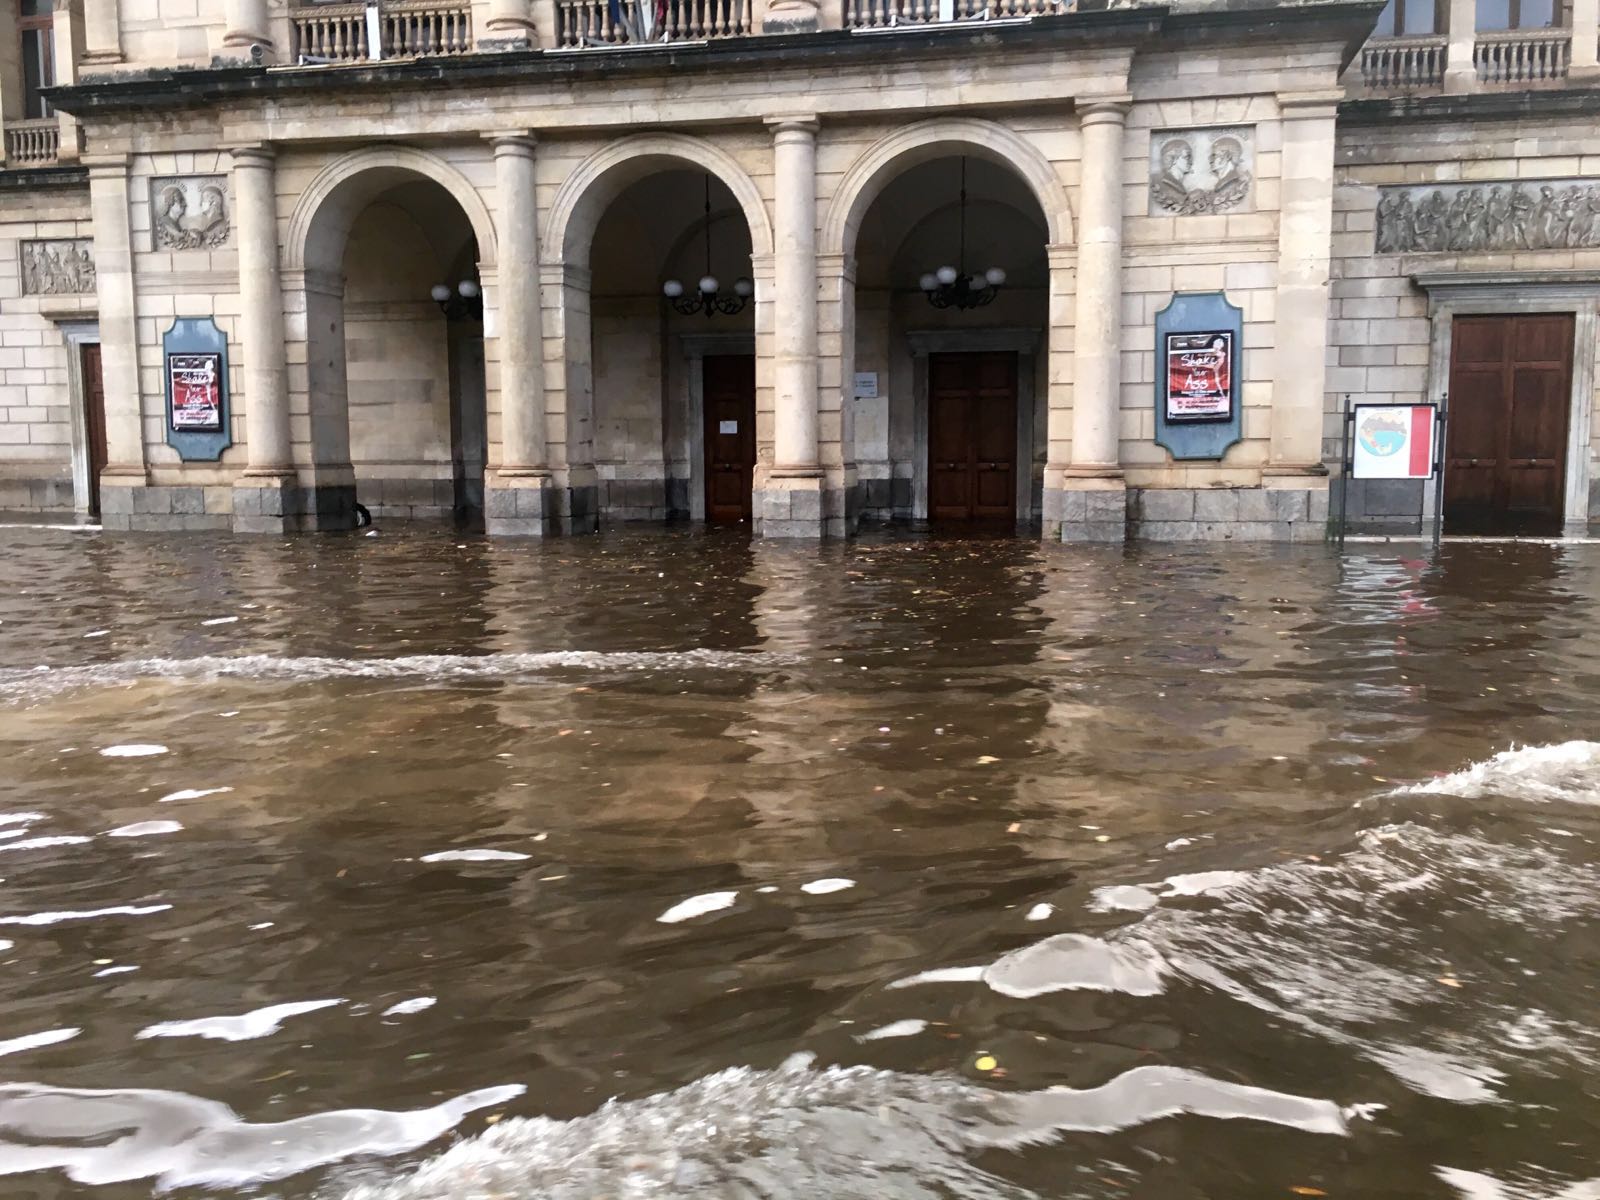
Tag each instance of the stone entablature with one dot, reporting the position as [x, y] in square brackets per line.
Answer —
[1507, 216]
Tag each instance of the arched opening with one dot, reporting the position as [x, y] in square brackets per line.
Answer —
[946, 403]
[674, 377]
[396, 382]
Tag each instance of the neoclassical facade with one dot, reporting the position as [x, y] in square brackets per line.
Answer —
[1104, 272]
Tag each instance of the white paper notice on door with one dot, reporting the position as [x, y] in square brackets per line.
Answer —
[727, 427]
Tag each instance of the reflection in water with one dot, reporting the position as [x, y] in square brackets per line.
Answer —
[1074, 872]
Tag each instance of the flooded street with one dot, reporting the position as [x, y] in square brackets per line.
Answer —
[672, 864]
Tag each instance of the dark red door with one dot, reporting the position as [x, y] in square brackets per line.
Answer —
[94, 419]
[730, 409]
[1506, 445]
[972, 437]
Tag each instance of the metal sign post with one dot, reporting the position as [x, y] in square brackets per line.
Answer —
[1344, 469]
[1395, 442]
[1443, 417]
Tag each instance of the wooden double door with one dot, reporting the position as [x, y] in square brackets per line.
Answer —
[729, 393]
[972, 438]
[1506, 437]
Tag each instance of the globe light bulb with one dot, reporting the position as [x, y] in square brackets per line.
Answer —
[947, 275]
[708, 284]
[995, 276]
[468, 288]
[440, 293]
[743, 288]
[672, 289]
[928, 282]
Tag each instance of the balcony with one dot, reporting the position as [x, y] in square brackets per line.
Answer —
[890, 14]
[1523, 56]
[33, 143]
[1404, 63]
[636, 22]
[1501, 60]
[330, 33]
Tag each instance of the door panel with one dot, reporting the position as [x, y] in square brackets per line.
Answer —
[730, 435]
[972, 437]
[1506, 446]
[94, 419]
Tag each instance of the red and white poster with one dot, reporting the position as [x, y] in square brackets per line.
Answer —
[195, 381]
[1393, 441]
[1200, 376]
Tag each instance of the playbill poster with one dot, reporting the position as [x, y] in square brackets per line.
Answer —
[1200, 376]
[196, 385]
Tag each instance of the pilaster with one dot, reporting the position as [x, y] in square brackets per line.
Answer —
[119, 338]
[1460, 71]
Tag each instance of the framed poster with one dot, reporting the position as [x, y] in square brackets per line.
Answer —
[195, 384]
[1199, 370]
[1392, 441]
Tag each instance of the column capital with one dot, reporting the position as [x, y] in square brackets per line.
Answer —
[800, 123]
[104, 165]
[1098, 110]
[520, 142]
[253, 154]
[1319, 103]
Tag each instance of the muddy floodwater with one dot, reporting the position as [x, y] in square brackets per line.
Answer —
[671, 864]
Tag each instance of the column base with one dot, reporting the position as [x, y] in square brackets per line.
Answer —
[798, 505]
[280, 504]
[1089, 509]
[1275, 512]
[535, 506]
[136, 507]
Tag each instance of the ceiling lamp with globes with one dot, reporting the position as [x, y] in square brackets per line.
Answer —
[952, 287]
[708, 297]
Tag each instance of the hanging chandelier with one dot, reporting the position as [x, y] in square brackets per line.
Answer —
[952, 287]
[708, 298]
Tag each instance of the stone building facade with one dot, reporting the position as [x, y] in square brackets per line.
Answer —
[560, 264]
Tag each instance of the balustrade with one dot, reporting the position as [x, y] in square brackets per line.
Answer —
[406, 28]
[1523, 55]
[1404, 63]
[886, 14]
[33, 143]
[615, 22]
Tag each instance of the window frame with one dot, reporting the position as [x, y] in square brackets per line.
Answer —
[34, 106]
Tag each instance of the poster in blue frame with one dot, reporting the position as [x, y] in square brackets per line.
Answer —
[1198, 370]
[194, 371]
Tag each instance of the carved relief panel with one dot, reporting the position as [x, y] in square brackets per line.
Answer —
[1551, 214]
[63, 267]
[1202, 171]
[190, 212]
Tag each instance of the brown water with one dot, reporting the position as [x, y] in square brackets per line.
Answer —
[1143, 815]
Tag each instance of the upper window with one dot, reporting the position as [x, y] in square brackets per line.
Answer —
[1403, 18]
[1519, 14]
[38, 56]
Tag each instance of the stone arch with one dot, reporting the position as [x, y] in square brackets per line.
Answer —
[601, 178]
[341, 190]
[926, 140]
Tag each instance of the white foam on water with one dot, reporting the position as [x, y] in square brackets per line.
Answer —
[114, 971]
[145, 829]
[1474, 1185]
[56, 918]
[1040, 912]
[1566, 771]
[476, 855]
[7, 834]
[6, 945]
[1077, 962]
[245, 1027]
[192, 794]
[738, 1132]
[941, 975]
[40, 843]
[1140, 898]
[20, 818]
[822, 887]
[1123, 897]
[406, 1007]
[220, 621]
[698, 906]
[895, 1029]
[99, 1137]
[45, 680]
[32, 1041]
[133, 750]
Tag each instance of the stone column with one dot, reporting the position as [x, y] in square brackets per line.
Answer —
[1585, 40]
[102, 33]
[790, 503]
[509, 26]
[266, 496]
[119, 340]
[245, 27]
[1093, 505]
[1300, 312]
[521, 489]
[1460, 73]
[67, 37]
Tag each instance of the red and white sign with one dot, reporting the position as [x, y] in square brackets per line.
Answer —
[1393, 441]
[196, 383]
[1200, 376]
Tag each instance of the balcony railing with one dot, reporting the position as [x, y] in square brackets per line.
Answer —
[1404, 62]
[886, 14]
[1523, 55]
[403, 28]
[33, 143]
[620, 22]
